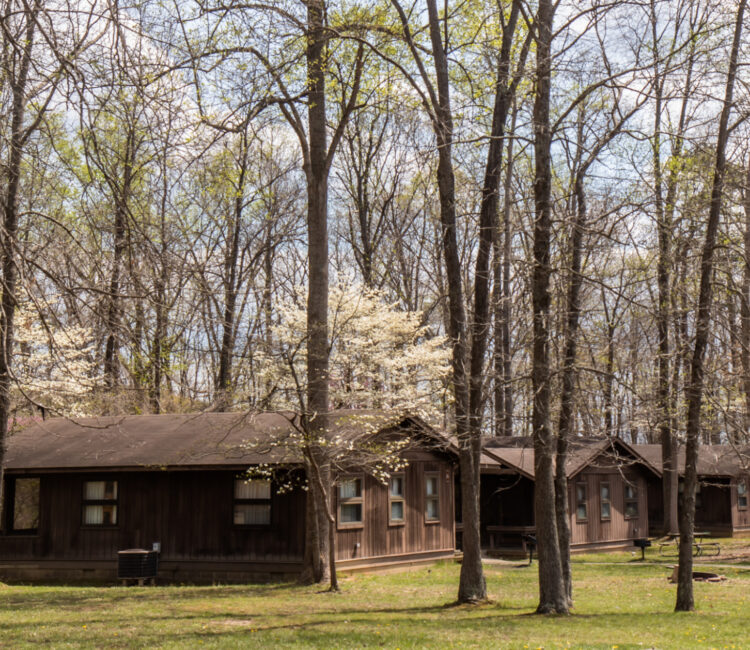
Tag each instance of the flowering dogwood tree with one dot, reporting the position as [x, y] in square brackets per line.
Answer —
[381, 357]
[384, 364]
[53, 365]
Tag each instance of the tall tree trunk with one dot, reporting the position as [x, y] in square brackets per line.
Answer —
[223, 387]
[745, 303]
[136, 340]
[566, 420]
[114, 305]
[664, 233]
[498, 376]
[9, 237]
[317, 296]
[567, 400]
[159, 348]
[694, 389]
[553, 596]
[267, 304]
[471, 583]
[733, 416]
[159, 344]
[501, 296]
[472, 586]
[609, 379]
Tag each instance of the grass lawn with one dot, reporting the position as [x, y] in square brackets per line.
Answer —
[618, 605]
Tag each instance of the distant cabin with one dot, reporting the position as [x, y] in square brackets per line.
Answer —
[78, 491]
[607, 493]
[721, 499]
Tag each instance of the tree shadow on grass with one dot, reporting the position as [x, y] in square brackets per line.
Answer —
[72, 597]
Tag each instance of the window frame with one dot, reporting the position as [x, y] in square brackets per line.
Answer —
[100, 502]
[742, 482]
[237, 501]
[432, 497]
[584, 502]
[343, 501]
[397, 499]
[635, 499]
[602, 501]
[10, 507]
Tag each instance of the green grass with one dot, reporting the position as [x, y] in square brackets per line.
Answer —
[733, 550]
[617, 605]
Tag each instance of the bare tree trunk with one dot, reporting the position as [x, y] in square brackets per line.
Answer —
[565, 425]
[114, 306]
[10, 233]
[501, 295]
[663, 265]
[609, 379]
[472, 585]
[745, 303]
[694, 390]
[317, 296]
[159, 349]
[223, 386]
[498, 376]
[333, 575]
[136, 339]
[667, 399]
[552, 593]
[570, 346]
[312, 571]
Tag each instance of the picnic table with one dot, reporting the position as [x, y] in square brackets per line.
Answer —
[516, 535]
[701, 547]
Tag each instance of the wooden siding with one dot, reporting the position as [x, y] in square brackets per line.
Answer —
[509, 501]
[740, 518]
[618, 527]
[189, 513]
[376, 537]
[716, 509]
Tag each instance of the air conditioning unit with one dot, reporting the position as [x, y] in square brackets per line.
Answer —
[137, 564]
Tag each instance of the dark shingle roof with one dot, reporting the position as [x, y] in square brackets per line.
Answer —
[713, 460]
[169, 440]
[518, 453]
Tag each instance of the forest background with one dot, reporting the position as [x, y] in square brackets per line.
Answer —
[519, 218]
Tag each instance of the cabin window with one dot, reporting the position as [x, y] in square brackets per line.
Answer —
[350, 501]
[252, 502]
[742, 495]
[631, 501]
[396, 499]
[100, 503]
[432, 497]
[24, 508]
[605, 505]
[582, 502]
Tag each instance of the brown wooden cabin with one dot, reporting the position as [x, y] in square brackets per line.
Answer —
[607, 483]
[721, 503]
[77, 492]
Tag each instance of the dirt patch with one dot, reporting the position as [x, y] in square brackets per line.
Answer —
[235, 622]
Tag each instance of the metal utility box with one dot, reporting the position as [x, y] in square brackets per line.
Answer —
[137, 564]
